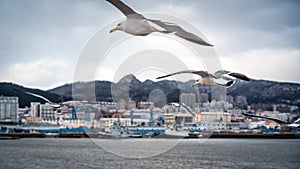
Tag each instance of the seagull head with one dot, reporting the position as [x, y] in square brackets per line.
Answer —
[119, 27]
[198, 82]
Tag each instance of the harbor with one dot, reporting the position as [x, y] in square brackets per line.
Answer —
[131, 120]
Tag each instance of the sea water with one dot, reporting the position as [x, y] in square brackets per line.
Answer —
[188, 153]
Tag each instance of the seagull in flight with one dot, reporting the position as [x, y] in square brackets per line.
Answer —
[136, 24]
[295, 122]
[44, 98]
[39, 96]
[208, 79]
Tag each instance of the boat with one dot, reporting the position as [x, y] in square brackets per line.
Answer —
[115, 131]
[195, 132]
[136, 135]
[52, 134]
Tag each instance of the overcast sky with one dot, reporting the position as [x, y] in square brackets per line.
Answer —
[41, 40]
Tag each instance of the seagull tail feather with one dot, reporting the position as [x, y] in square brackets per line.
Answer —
[162, 77]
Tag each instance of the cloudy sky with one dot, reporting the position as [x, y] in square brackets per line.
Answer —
[41, 40]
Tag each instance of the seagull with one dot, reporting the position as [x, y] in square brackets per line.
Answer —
[208, 79]
[293, 123]
[39, 96]
[136, 24]
[44, 98]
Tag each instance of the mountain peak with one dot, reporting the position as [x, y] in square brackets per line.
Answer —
[129, 79]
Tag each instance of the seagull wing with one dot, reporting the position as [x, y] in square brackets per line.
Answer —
[239, 76]
[296, 119]
[269, 118]
[39, 96]
[220, 73]
[200, 73]
[126, 10]
[191, 37]
[204, 74]
[171, 27]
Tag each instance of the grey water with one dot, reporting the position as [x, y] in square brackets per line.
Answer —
[212, 153]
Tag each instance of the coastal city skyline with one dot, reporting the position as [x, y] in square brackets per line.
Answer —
[149, 84]
[41, 41]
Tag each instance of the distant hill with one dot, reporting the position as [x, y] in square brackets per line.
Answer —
[10, 89]
[108, 91]
[262, 91]
[256, 91]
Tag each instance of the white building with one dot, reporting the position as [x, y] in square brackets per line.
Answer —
[9, 108]
[47, 112]
[44, 111]
[35, 109]
[213, 117]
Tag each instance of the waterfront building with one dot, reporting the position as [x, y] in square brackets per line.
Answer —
[83, 112]
[145, 105]
[121, 105]
[212, 117]
[47, 112]
[202, 107]
[217, 106]
[9, 108]
[74, 123]
[182, 118]
[107, 122]
[42, 111]
[107, 106]
[35, 109]
[189, 99]
[171, 108]
[212, 126]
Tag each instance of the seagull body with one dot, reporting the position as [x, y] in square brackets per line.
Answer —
[136, 24]
[136, 27]
[208, 79]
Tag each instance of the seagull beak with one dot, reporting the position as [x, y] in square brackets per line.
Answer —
[112, 30]
[194, 84]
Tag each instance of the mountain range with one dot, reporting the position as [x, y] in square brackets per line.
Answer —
[161, 92]
[11, 89]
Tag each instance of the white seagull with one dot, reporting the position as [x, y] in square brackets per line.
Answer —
[208, 79]
[137, 24]
[293, 123]
[44, 98]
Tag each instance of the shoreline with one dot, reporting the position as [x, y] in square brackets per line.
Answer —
[204, 135]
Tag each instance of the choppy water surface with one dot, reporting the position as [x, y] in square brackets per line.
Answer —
[213, 153]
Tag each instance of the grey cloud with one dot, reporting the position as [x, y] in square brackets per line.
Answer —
[35, 29]
[249, 24]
